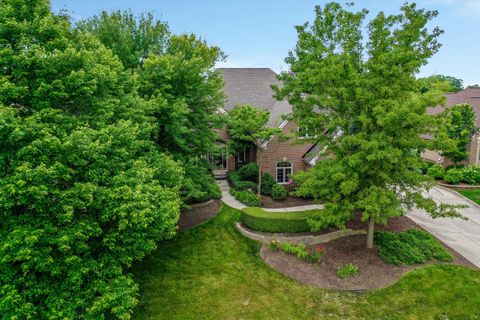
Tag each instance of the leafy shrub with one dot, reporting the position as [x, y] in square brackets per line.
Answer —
[291, 186]
[287, 222]
[471, 175]
[249, 172]
[267, 184]
[348, 270]
[436, 171]
[454, 166]
[237, 184]
[199, 184]
[454, 176]
[247, 198]
[299, 250]
[410, 247]
[424, 167]
[278, 192]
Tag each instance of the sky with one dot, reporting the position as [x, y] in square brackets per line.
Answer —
[260, 33]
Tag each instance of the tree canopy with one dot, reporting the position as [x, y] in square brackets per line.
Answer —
[176, 77]
[459, 125]
[362, 92]
[86, 184]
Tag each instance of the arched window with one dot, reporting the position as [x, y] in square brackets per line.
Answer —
[284, 168]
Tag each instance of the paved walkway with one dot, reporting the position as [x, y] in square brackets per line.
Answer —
[227, 198]
[230, 201]
[461, 235]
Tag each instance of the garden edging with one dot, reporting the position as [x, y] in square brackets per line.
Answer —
[266, 237]
[457, 186]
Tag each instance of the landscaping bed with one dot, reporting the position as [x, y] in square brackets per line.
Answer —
[268, 202]
[373, 272]
[197, 215]
[215, 272]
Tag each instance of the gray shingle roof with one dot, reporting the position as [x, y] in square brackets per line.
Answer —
[253, 86]
[469, 95]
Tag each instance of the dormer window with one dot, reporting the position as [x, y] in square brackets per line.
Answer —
[306, 132]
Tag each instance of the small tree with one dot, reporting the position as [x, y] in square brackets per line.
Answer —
[364, 95]
[248, 125]
[459, 126]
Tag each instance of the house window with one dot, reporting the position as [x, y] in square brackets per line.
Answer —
[307, 132]
[284, 168]
[242, 156]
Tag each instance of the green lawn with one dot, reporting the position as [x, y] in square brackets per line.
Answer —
[473, 194]
[212, 272]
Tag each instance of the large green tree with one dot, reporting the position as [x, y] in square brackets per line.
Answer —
[363, 93]
[247, 126]
[84, 191]
[177, 76]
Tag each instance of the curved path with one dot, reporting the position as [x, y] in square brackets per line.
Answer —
[230, 201]
[461, 235]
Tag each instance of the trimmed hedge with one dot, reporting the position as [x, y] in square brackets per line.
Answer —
[281, 222]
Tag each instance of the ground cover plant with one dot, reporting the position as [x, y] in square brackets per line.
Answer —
[215, 272]
[288, 222]
[299, 250]
[347, 270]
[410, 247]
[246, 197]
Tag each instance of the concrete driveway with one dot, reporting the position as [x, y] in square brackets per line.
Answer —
[461, 235]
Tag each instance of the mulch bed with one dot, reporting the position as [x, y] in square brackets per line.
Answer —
[195, 216]
[373, 272]
[268, 202]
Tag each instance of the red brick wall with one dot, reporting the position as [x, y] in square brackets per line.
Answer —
[284, 151]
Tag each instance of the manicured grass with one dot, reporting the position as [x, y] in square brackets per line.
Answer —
[473, 194]
[291, 222]
[212, 272]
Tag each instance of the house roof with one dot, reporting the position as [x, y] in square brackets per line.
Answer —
[470, 95]
[253, 86]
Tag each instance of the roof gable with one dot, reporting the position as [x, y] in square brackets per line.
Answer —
[253, 86]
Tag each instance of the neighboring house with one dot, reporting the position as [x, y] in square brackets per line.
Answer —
[279, 158]
[470, 95]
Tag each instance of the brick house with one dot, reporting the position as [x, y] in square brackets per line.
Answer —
[470, 95]
[279, 158]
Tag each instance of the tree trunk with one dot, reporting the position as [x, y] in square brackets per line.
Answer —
[259, 163]
[371, 229]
